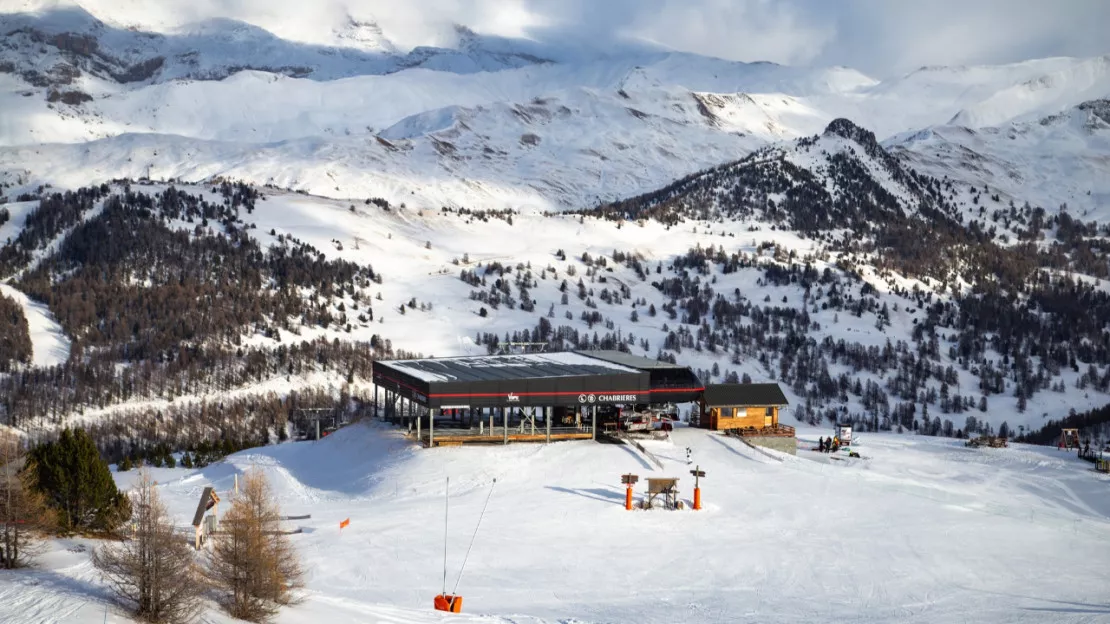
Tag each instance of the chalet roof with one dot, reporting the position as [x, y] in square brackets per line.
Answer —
[744, 394]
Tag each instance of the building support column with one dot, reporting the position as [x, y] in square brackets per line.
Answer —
[377, 408]
[491, 421]
[418, 439]
[505, 422]
[593, 422]
[547, 421]
[431, 428]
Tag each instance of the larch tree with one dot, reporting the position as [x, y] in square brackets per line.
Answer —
[24, 516]
[152, 570]
[252, 562]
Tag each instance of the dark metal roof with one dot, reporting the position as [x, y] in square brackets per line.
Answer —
[506, 367]
[627, 359]
[745, 394]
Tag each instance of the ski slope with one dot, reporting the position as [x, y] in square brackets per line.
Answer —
[922, 530]
[49, 344]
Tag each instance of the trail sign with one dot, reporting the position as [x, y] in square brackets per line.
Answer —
[698, 474]
[629, 479]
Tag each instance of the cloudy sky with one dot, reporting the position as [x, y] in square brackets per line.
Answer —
[880, 37]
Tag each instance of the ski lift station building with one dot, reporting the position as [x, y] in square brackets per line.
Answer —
[523, 397]
[529, 397]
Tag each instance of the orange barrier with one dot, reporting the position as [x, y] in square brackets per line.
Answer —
[697, 498]
[628, 498]
[444, 602]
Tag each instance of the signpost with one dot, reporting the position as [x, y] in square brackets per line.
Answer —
[628, 480]
[698, 474]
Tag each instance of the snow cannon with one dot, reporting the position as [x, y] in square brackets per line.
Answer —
[449, 603]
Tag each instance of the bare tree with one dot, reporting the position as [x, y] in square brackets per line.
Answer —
[252, 560]
[153, 570]
[24, 516]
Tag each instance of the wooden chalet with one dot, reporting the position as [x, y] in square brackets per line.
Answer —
[744, 408]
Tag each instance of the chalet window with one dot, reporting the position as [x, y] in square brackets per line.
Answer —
[770, 411]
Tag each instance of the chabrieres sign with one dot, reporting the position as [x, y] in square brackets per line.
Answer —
[588, 398]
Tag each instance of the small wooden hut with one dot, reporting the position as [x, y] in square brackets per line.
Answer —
[742, 407]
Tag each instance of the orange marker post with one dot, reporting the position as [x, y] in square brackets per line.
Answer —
[344, 524]
[698, 474]
[628, 480]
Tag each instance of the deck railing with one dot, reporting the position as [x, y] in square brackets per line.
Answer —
[785, 431]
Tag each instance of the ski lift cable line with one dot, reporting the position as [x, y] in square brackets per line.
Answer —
[472, 537]
[447, 502]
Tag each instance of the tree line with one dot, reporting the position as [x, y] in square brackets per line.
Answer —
[62, 487]
[15, 336]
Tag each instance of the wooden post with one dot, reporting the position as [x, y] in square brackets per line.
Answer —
[431, 428]
[547, 421]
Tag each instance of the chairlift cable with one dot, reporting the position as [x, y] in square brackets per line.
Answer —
[467, 556]
[446, 502]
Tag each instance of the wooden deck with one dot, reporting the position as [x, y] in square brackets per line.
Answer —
[776, 431]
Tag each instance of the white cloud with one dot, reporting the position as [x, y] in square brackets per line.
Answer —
[876, 36]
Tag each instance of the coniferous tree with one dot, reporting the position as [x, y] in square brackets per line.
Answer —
[253, 564]
[152, 571]
[24, 516]
[77, 483]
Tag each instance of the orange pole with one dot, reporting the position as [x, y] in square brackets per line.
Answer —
[628, 498]
[697, 498]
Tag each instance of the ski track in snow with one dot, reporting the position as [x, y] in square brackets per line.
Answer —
[49, 343]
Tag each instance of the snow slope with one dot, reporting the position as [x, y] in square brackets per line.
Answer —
[49, 344]
[781, 539]
[420, 255]
[1046, 161]
[321, 113]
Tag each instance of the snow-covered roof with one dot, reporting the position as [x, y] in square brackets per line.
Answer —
[507, 367]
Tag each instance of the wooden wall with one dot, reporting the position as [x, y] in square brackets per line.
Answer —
[741, 417]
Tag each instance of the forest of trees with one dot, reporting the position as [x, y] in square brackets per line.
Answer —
[130, 285]
[15, 337]
[124, 281]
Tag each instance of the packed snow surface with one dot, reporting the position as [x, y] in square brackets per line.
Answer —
[49, 344]
[918, 530]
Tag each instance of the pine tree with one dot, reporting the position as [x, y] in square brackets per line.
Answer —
[186, 461]
[78, 484]
[253, 564]
[24, 516]
[152, 570]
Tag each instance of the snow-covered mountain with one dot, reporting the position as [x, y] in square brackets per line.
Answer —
[1048, 161]
[911, 192]
[484, 120]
